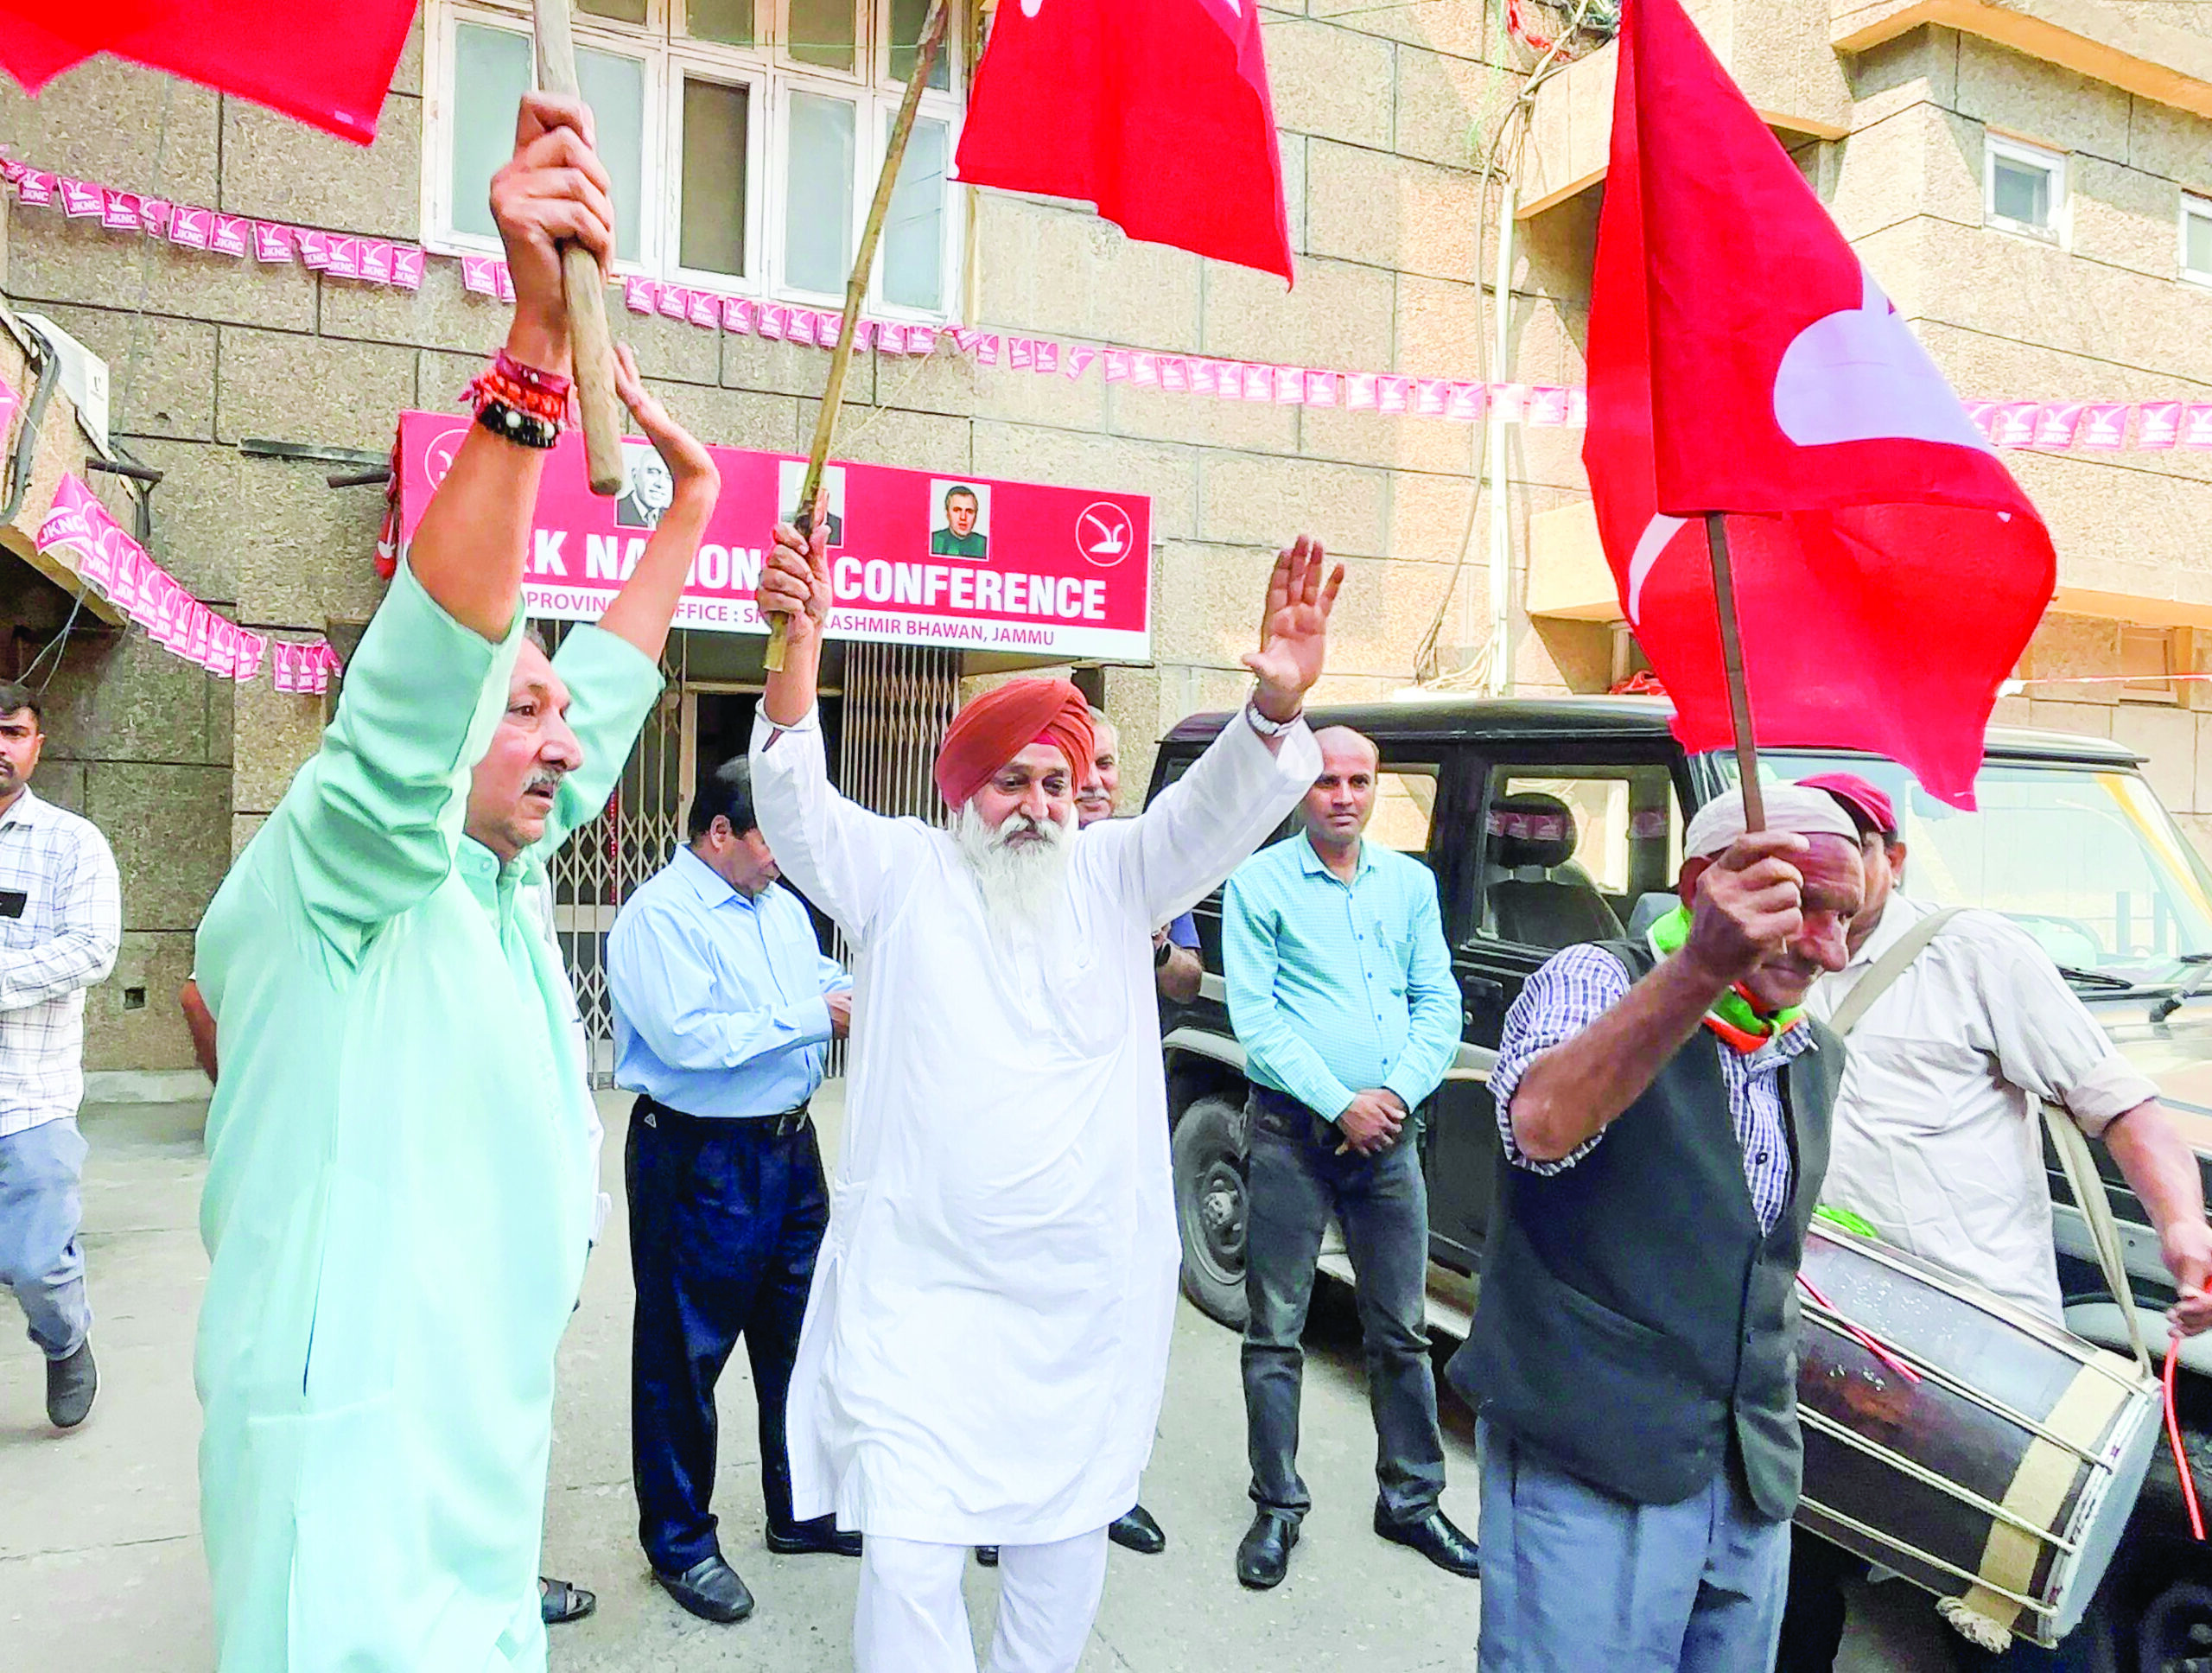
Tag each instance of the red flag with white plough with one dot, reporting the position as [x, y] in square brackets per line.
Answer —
[1812, 541]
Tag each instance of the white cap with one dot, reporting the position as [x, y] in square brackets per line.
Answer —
[1789, 807]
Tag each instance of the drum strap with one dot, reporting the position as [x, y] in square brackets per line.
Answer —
[1887, 969]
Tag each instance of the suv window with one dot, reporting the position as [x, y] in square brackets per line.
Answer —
[1567, 851]
[1405, 808]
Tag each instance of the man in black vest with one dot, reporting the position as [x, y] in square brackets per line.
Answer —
[1665, 1108]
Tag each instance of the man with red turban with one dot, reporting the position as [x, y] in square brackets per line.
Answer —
[986, 1341]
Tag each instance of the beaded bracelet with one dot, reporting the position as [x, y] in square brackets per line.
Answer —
[524, 388]
[528, 430]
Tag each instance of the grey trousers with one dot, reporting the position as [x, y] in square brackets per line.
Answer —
[40, 1208]
[1574, 1579]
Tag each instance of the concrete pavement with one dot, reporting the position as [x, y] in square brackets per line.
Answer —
[101, 1570]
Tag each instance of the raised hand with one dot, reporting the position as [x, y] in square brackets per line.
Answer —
[690, 464]
[1750, 902]
[553, 189]
[795, 577]
[1294, 627]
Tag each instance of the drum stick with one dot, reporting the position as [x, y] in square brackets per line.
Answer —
[591, 345]
[1865, 1338]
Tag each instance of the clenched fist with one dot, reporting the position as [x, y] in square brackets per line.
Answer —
[1750, 904]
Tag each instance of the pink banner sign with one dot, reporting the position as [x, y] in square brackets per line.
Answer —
[2057, 423]
[232, 235]
[2197, 425]
[2160, 426]
[37, 187]
[1048, 357]
[2104, 424]
[916, 557]
[272, 241]
[1174, 375]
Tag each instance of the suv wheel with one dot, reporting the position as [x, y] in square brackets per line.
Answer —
[1210, 1207]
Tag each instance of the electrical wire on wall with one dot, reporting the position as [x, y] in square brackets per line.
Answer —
[1588, 25]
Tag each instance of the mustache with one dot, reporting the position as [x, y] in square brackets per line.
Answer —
[548, 781]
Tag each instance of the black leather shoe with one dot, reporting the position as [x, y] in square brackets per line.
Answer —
[1136, 1530]
[559, 1603]
[710, 1589]
[1264, 1554]
[70, 1385]
[820, 1537]
[1435, 1539]
[988, 1556]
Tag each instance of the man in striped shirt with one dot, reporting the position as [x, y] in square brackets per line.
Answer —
[1341, 990]
[60, 920]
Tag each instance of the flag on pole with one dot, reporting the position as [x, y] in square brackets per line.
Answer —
[1888, 569]
[1156, 110]
[327, 65]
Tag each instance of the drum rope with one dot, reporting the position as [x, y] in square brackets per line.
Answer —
[2173, 1439]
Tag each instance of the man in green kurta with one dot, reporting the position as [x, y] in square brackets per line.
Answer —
[399, 1187]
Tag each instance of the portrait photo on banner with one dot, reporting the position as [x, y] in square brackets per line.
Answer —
[790, 477]
[960, 519]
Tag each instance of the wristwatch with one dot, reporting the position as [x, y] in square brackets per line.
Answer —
[1266, 727]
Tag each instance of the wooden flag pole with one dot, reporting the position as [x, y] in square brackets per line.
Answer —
[833, 393]
[591, 344]
[1731, 661]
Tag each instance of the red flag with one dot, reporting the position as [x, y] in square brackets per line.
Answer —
[1156, 110]
[1888, 569]
[329, 65]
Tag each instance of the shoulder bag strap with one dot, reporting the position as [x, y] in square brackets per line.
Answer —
[1887, 969]
[2081, 1170]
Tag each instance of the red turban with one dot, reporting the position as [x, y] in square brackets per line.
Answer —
[1001, 723]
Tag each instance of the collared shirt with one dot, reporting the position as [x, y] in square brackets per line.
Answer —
[718, 1007]
[61, 943]
[1335, 988]
[1577, 987]
[1936, 1140]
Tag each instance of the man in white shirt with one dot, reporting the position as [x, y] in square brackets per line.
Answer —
[985, 1344]
[1937, 1141]
[61, 922]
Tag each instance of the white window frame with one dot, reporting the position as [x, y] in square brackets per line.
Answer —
[669, 54]
[1997, 146]
[2195, 207]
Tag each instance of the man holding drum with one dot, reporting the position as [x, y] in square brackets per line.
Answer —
[1665, 1110]
[1937, 1141]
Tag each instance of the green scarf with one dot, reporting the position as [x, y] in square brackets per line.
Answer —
[1733, 1017]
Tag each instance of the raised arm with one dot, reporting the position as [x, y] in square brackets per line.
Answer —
[612, 668]
[371, 824]
[1747, 902]
[89, 905]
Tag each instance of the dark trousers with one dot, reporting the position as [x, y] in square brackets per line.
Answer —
[1297, 1180]
[725, 1220]
[1812, 1623]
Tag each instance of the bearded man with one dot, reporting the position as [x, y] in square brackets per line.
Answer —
[401, 1182]
[985, 1344]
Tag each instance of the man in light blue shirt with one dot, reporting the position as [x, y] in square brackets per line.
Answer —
[1340, 988]
[724, 1008]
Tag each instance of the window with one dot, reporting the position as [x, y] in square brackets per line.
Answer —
[2024, 188]
[2147, 661]
[1569, 852]
[1405, 808]
[744, 138]
[2196, 238]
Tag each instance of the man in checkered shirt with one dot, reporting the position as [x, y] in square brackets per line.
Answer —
[1664, 1107]
[61, 918]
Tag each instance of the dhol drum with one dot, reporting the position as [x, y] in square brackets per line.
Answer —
[2002, 1477]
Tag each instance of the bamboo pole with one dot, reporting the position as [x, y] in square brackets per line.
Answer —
[1732, 661]
[833, 394]
[591, 344]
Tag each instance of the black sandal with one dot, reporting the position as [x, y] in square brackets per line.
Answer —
[561, 1603]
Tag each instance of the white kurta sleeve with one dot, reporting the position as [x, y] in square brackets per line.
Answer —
[842, 857]
[1210, 820]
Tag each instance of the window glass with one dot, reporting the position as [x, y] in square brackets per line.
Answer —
[2021, 192]
[1570, 852]
[818, 194]
[729, 22]
[913, 231]
[621, 11]
[907, 17]
[491, 72]
[824, 32]
[2196, 239]
[716, 121]
[614, 87]
[1405, 808]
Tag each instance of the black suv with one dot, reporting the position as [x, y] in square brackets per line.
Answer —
[2070, 841]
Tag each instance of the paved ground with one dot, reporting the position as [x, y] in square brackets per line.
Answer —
[101, 1568]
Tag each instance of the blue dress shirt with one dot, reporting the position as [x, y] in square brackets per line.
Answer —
[718, 1007]
[1335, 988]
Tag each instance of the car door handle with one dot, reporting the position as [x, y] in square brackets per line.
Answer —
[1480, 990]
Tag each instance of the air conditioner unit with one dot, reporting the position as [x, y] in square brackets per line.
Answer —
[83, 375]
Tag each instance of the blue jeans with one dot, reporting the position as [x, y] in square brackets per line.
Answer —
[39, 1210]
[1296, 1181]
[1575, 1579]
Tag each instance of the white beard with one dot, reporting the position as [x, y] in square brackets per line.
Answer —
[1020, 883]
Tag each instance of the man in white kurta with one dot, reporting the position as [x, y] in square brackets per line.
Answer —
[986, 1341]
